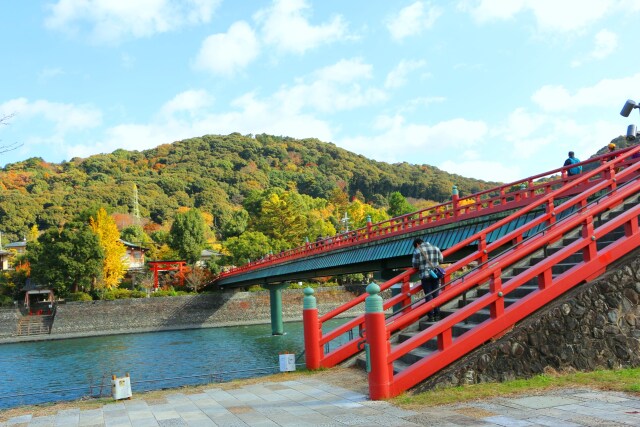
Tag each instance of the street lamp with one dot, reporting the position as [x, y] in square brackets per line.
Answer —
[629, 106]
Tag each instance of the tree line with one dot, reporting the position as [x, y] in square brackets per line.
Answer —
[242, 196]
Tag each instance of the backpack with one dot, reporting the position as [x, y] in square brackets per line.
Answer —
[577, 169]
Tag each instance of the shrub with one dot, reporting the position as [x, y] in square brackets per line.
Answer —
[167, 293]
[79, 296]
[138, 294]
[108, 296]
[6, 301]
[121, 293]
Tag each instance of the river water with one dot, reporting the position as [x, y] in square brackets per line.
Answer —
[48, 371]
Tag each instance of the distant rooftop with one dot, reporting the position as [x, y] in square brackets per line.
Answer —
[20, 244]
[133, 245]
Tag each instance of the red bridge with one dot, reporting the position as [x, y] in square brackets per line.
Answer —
[532, 240]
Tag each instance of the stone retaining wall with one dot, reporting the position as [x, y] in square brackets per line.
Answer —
[8, 321]
[596, 325]
[88, 318]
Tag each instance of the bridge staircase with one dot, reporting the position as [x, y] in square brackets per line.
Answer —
[37, 319]
[517, 274]
[519, 293]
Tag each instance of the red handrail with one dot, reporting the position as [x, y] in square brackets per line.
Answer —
[594, 262]
[585, 185]
[484, 203]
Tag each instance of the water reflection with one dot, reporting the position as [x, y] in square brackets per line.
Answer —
[188, 357]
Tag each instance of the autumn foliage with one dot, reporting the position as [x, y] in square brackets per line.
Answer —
[114, 265]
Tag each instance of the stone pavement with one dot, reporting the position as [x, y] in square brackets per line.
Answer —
[309, 401]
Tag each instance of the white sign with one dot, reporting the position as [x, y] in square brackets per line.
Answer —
[121, 387]
[287, 362]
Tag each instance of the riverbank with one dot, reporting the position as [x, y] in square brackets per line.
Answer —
[127, 316]
[334, 397]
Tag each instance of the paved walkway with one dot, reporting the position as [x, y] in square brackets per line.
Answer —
[312, 402]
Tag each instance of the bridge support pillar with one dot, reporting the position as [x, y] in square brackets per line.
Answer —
[275, 302]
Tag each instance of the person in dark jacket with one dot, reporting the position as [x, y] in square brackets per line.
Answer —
[426, 258]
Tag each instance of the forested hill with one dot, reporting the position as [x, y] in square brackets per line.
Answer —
[213, 173]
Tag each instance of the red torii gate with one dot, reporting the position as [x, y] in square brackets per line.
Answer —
[157, 266]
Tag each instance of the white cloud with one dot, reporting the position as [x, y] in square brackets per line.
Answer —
[113, 20]
[605, 43]
[191, 101]
[421, 102]
[607, 93]
[398, 76]
[285, 26]
[483, 169]
[412, 20]
[550, 15]
[247, 115]
[65, 117]
[334, 88]
[397, 140]
[227, 53]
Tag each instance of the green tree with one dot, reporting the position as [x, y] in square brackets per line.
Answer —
[283, 217]
[236, 224]
[135, 234]
[68, 260]
[251, 245]
[398, 205]
[188, 235]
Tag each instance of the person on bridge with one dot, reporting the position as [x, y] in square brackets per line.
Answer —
[426, 258]
[570, 161]
[612, 148]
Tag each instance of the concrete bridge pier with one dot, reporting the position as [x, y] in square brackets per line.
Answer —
[275, 302]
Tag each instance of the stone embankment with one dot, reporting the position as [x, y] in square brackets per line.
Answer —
[76, 319]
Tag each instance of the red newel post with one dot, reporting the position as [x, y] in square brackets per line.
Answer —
[312, 331]
[454, 200]
[379, 369]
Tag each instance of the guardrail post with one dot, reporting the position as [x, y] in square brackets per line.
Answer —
[454, 200]
[312, 330]
[397, 290]
[378, 345]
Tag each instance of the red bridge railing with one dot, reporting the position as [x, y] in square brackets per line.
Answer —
[505, 197]
[384, 383]
[585, 186]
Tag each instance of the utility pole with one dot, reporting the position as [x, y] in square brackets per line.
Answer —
[136, 206]
[345, 222]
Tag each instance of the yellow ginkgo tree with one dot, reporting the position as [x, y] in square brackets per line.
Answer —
[114, 266]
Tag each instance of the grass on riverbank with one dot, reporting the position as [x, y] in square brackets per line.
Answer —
[624, 380]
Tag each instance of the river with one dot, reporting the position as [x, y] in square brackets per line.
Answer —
[49, 371]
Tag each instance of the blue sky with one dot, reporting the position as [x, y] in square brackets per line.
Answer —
[491, 89]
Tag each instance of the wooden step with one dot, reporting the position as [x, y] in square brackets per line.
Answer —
[35, 325]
